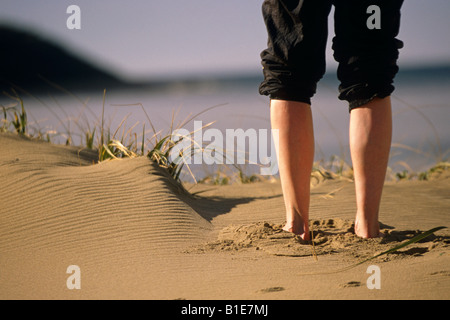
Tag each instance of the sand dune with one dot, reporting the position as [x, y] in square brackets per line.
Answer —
[62, 200]
[134, 233]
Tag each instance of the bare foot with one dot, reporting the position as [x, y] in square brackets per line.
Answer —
[367, 230]
[300, 230]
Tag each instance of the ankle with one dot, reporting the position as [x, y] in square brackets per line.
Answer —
[367, 228]
[298, 227]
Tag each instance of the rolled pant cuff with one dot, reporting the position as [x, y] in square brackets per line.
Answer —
[363, 94]
[288, 96]
[300, 91]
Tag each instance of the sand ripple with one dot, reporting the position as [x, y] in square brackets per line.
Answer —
[54, 197]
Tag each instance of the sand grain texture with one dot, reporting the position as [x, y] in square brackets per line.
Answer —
[135, 234]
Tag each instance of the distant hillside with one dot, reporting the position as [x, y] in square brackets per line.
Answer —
[31, 62]
[27, 59]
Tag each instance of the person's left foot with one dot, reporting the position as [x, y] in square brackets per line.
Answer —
[299, 231]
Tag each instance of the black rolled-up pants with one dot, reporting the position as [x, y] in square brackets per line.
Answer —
[365, 46]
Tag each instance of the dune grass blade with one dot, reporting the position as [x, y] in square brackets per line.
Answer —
[400, 246]
[143, 140]
[89, 137]
[20, 121]
[430, 123]
[102, 137]
[312, 242]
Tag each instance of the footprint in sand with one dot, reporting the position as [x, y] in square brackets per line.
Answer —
[330, 236]
[271, 289]
[351, 284]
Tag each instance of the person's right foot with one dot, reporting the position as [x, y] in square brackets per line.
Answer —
[367, 230]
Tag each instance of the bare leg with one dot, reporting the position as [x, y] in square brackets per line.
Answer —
[370, 141]
[295, 159]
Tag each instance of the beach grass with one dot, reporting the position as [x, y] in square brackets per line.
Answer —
[160, 147]
[20, 119]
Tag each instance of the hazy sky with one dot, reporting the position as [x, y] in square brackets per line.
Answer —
[153, 38]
